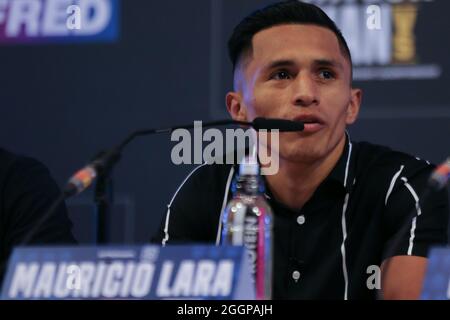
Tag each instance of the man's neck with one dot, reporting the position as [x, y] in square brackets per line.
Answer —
[296, 182]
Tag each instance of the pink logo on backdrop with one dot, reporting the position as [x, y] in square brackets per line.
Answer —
[44, 21]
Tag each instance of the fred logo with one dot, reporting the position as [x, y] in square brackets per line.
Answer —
[43, 21]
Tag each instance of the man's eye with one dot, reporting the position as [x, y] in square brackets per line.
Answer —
[326, 74]
[281, 75]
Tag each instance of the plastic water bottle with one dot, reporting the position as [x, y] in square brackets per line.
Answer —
[248, 220]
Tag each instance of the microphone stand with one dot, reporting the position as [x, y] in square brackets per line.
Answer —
[104, 162]
[103, 194]
[103, 198]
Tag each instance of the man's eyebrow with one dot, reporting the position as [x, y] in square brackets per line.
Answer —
[318, 62]
[279, 63]
[328, 63]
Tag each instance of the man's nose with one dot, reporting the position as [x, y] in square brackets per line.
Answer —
[305, 91]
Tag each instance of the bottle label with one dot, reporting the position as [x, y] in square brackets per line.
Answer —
[255, 242]
[251, 241]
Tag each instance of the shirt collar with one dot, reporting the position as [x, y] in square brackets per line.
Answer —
[343, 171]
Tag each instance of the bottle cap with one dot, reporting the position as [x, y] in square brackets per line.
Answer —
[249, 166]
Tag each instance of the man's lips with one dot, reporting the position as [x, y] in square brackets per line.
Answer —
[312, 123]
[312, 127]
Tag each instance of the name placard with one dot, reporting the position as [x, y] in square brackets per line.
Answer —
[128, 272]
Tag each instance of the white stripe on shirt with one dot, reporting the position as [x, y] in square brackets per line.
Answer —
[393, 181]
[224, 204]
[344, 225]
[166, 226]
[414, 221]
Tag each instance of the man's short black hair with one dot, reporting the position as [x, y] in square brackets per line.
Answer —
[286, 12]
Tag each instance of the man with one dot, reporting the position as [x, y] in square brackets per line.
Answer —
[26, 193]
[339, 206]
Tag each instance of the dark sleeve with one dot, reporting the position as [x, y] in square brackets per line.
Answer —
[27, 194]
[413, 227]
[193, 213]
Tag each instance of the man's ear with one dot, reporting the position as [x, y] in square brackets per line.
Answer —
[353, 106]
[236, 107]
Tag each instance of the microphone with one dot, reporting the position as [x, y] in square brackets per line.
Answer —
[81, 180]
[439, 177]
[101, 164]
[277, 124]
[84, 177]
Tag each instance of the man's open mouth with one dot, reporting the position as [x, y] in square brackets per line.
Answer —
[312, 123]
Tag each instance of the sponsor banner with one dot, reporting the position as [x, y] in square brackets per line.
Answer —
[58, 21]
[383, 37]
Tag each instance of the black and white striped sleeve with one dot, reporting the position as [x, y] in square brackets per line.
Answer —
[413, 221]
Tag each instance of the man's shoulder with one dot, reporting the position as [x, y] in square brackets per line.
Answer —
[379, 158]
[19, 173]
[16, 163]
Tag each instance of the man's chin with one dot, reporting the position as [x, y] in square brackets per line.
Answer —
[300, 156]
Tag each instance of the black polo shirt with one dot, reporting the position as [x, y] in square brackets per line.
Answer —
[330, 247]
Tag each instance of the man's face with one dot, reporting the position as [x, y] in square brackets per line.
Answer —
[297, 72]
